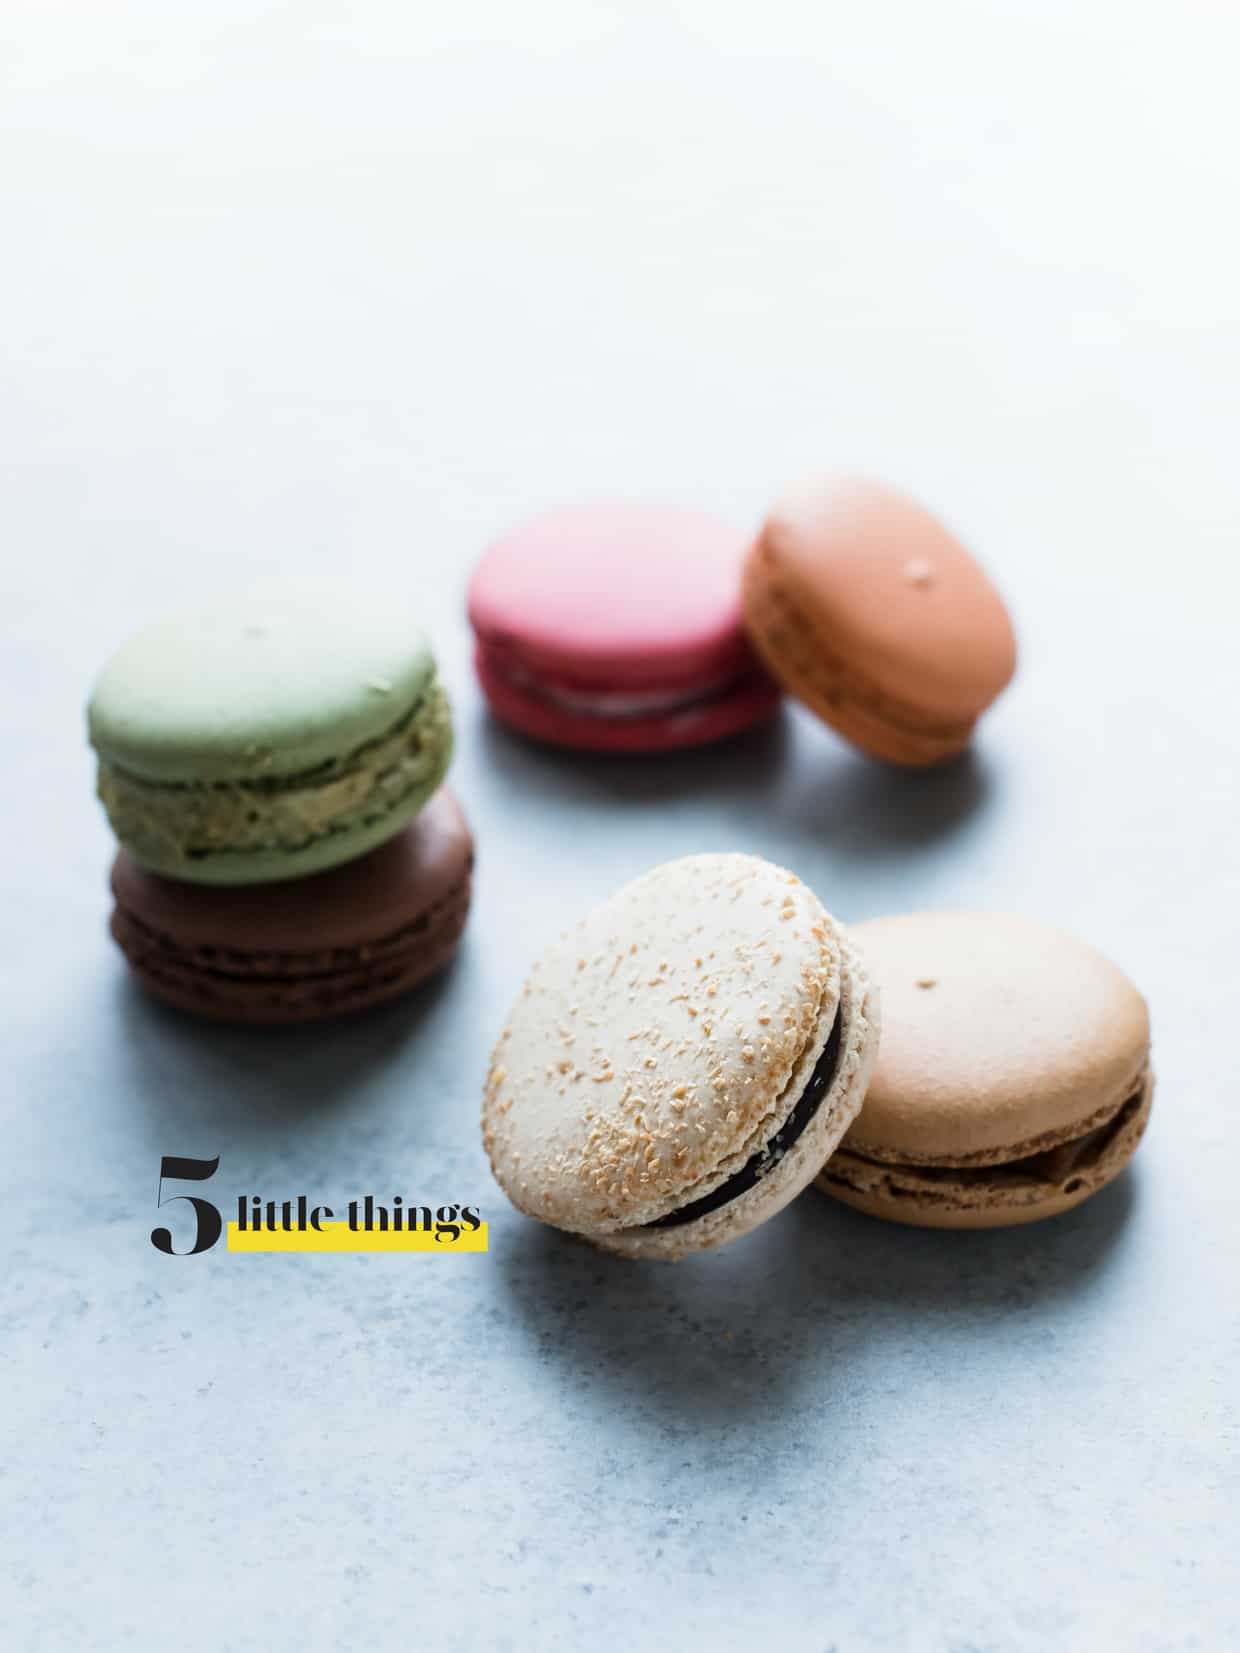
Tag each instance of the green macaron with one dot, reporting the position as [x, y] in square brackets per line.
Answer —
[270, 734]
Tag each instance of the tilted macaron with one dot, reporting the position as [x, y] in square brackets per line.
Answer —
[305, 948]
[1014, 1077]
[270, 734]
[681, 1063]
[869, 611]
[617, 628]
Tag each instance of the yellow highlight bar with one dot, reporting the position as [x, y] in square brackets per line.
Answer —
[338, 1236]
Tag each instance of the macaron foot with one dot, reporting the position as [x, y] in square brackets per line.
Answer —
[1001, 1194]
[239, 832]
[649, 723]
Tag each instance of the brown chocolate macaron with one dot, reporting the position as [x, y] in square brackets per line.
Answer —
[1013, 1079]
[307, 948]
[869, 611]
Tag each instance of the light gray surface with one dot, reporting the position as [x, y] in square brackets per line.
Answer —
[289, 287]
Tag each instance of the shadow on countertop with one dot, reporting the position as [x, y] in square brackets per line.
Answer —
[868, 810]
[736, 766]
[790, 775]
[261, 1081]
[738, 1334]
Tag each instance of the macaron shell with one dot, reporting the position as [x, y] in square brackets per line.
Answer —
[867, 609]
[873, 722]
[909, 1194]
[650, 1047]
[272, 681]
[748, 701]
[307, 948]
[860, 1011]
[836, 690]
[1002, 1034]
[616, 595]
[295, 999]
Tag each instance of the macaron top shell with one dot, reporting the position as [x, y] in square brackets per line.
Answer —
[661, 1043]
[271, 682]
[616, 596]
[999, 1033]
[897, 596]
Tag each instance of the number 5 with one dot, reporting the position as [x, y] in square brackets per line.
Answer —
[209, 1224]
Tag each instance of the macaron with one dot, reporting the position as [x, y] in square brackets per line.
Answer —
[617, 628]
[1014, 1076]
[308, 948]
[270, 734]
[681, 1063]
[869, 611]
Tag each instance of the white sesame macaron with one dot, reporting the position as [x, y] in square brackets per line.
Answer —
[682, 1063]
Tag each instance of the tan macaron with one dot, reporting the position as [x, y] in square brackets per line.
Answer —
[866, 608]
[1013, 1080]
[680, 1065]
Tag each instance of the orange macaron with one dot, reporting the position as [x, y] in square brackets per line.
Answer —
[868, 610]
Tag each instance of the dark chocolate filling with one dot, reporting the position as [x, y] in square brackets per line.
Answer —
[768, 1156]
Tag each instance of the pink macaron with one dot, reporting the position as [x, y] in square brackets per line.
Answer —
[617, 628]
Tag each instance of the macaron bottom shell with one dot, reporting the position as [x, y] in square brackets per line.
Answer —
[275, 1000]
[1001, 1194]
[560, 716]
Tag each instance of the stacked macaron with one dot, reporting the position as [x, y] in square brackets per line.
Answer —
[271, 765]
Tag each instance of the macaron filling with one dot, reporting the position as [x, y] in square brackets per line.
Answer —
[591, 701]
[171, 822]
[769, 1155]
[1063, 1164]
